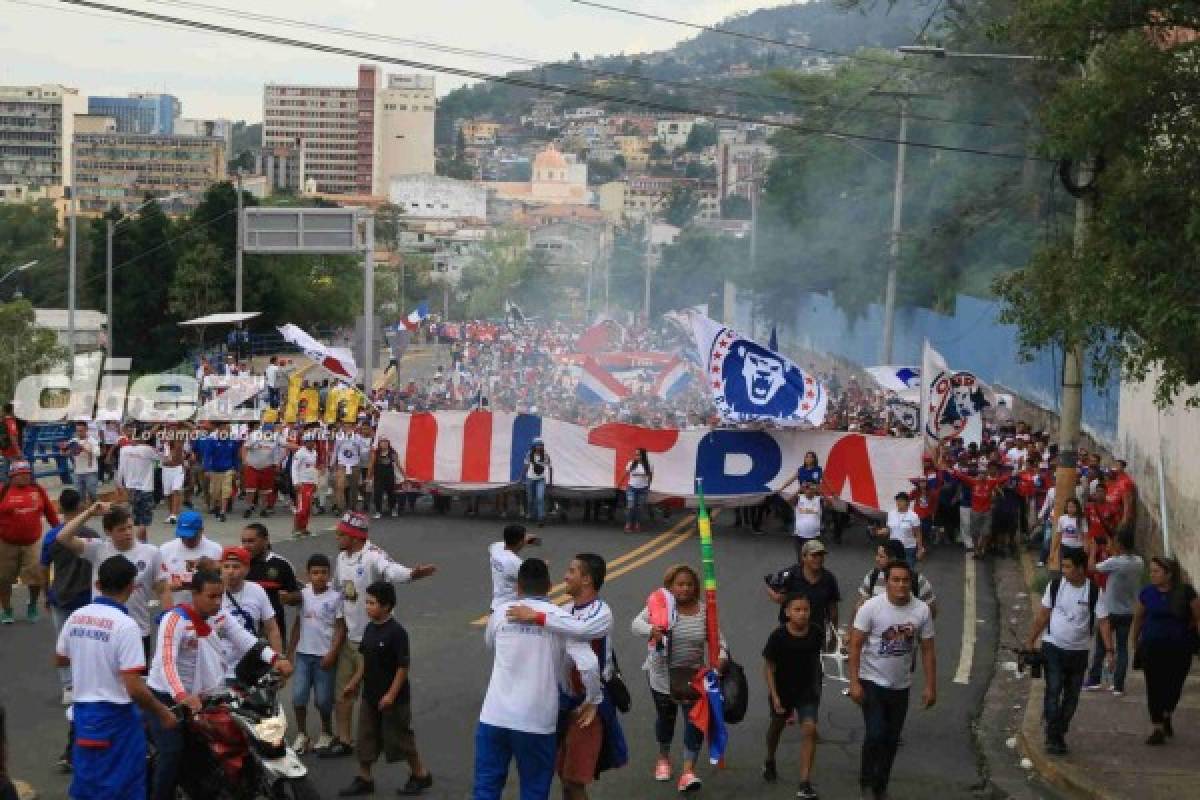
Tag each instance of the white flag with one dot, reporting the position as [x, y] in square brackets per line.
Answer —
[950, 401]
[749, 382]
[340, 362]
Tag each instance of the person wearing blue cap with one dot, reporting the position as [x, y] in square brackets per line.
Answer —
[181, 556]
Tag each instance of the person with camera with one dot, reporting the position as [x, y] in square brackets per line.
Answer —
[1067, 616]
[539, 475]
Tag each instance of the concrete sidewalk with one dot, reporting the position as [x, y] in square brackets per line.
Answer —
[1108, 756]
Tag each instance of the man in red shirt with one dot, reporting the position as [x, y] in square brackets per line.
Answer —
[984, 489]
[12, 446]
[1121, 492]
[22, 506]
[1103, 518]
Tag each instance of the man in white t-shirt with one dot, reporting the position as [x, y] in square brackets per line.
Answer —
[136, 463]
[180, 556]
[246, 602]
[887, 632]
[102, 645]
[84, 450]
[505, 560]
[904, 526]
[1067, 615]
[359, 564]
[149, 584]
[808, 508]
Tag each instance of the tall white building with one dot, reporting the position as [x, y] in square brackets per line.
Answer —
[406, 123]
[37, 124]
[355, 138]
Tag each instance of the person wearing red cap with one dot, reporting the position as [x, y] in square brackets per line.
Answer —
[359, 564]
[247, 602]
[23, 504]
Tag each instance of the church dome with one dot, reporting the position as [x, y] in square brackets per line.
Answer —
[549, 159]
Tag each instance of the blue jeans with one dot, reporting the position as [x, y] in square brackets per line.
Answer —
[635, 501]
[666, 711]
[309, 676]
[169, 746]
[910, 555]
[1064, 679]
[883, 712]
[86, 483]
[535, 498]
[495, 747]
[1120, 625]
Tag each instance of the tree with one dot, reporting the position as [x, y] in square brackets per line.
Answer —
[26, 349]
[682, 203]
[657, 151]
[198, 286]
[735, 207]
[504, 268]
[701, 135]
[701, 172]
[694, 268]
[1129, 293]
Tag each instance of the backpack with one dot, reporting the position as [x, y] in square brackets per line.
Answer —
[1093, 597]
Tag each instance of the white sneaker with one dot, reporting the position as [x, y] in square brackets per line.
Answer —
[323, 742]
[300, 744]
[68, 697]
[171, 520]
[377, 515]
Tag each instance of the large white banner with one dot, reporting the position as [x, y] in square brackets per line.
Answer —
[480, 450]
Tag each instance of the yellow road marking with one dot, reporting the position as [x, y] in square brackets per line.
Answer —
[627, 562]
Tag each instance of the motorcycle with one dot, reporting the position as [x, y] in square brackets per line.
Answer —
[236, 747]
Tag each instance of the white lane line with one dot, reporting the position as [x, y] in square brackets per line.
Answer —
[967, 654]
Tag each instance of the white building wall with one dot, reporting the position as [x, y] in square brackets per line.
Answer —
[1142, 432]
[406, 110]
[435, 197]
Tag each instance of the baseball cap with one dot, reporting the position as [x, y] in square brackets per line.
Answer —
[237, 553]
[190, 524]
[353, 523]
[811, 547]
[20, 467]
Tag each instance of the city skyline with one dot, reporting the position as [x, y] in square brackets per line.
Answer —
[216, 76]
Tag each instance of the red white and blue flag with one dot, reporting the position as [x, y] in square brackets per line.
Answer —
[598, 385]
[416, 317]
[672, 380]
[338, 361]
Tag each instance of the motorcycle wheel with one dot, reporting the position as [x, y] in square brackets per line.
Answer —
[295, 789]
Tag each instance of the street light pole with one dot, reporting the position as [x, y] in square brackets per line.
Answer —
[889, 296]
[238, 250]
[108, 288]
[71, 289]
[368, 303]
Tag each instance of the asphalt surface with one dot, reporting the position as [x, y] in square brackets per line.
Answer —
[451, 665]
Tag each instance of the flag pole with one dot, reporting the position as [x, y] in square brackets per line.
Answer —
[709, 570]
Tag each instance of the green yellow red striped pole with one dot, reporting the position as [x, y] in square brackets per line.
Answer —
[709, 574]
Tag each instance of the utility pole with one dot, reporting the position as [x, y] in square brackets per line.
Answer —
[71, 288]
[237, 306]
[1071, 411]
[108, 288]
[649, 259]
[753, 241]
[368, 303]
[889, 295]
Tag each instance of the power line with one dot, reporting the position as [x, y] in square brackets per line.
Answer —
[521, 82]
[603, 73]
[763, 39]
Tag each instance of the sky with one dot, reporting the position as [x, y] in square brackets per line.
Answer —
[216, 76]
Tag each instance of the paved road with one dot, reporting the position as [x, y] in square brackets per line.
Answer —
[451, 664]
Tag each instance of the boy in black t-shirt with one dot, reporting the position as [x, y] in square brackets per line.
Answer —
[385, 710]
[792, 668]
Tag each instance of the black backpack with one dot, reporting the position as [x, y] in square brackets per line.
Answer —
[1093, 597]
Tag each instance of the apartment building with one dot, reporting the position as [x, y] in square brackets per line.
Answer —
[325, 119]
[121, 169]
[36, 128]
[354, 138]
[406, 127]
[140, 112]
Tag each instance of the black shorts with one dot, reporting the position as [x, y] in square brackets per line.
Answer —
[804, 709]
